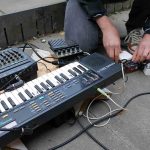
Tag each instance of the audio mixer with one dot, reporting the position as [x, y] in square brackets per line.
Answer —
[13, 61]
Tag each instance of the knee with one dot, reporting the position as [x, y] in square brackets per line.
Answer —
[86, 41]
[79, 28]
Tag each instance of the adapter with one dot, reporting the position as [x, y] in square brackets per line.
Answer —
[146, 69]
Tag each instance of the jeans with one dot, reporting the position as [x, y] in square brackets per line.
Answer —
[79, 28]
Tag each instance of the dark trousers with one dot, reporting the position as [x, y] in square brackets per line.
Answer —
[138, 14]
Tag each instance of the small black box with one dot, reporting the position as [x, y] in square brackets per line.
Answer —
[61, 48]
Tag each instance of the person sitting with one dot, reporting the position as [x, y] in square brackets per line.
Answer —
[85, 20]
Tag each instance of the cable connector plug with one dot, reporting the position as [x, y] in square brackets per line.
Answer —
[60, 63]
[105, 94]
[26, 131]
[14, 86]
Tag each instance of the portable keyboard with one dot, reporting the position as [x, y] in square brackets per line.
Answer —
[45, 97]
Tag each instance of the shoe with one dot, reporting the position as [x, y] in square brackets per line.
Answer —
[132, 39]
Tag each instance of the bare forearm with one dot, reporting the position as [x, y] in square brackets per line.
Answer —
[104, 23]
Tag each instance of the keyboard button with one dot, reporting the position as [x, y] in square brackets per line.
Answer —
[64, 76]
[72, 72]
[11, 101]
[82, 68]
[38, 88]
[28, 93]
[77, 70]
[22, 96]
[44, 86]
[50, 83]
[59, 79]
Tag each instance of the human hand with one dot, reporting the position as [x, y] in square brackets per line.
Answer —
[143, 50]
[111, 42]
[111, 38]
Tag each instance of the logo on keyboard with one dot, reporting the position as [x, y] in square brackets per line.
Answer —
[106, 67]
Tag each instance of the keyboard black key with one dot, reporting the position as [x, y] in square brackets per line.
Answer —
[50, 83]
[64, 76]
[77, 70]
[22, 96]
[11, 101]
[4, 105]
[72, 72]
[44, 86]
[59, 79]
[28, 93]
[81, 67]
[38, 88]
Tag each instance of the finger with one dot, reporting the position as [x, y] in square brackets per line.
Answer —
[146, 53]
[112, 53]
[141, 50]
[109, 50]
[134, 55]
[137, 56]
[142, 57]
[148, 56]
[117, 52]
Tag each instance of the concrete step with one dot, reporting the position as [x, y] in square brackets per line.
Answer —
[22, 20]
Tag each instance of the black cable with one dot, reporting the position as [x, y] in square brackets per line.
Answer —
[31, 45]
[92, 137]
[60, 63]
[98, 121]
[20, 131]
[45, 66]
[18, 74]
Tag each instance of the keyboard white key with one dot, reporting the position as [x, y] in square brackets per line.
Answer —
[26, 87]
[36, 82]
[41, 79]
[15, 93]
[4, 98]
[34, 90]
[72, 66]
[51, 77]
[46, 78]
[75, 68]
[9, 94]
[79, 66]
[65, 71]
[56, 74]
[21, 90]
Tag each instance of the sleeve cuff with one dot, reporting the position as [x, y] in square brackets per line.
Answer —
[146, 27]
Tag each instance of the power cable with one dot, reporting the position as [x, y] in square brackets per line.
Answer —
[116, 112]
